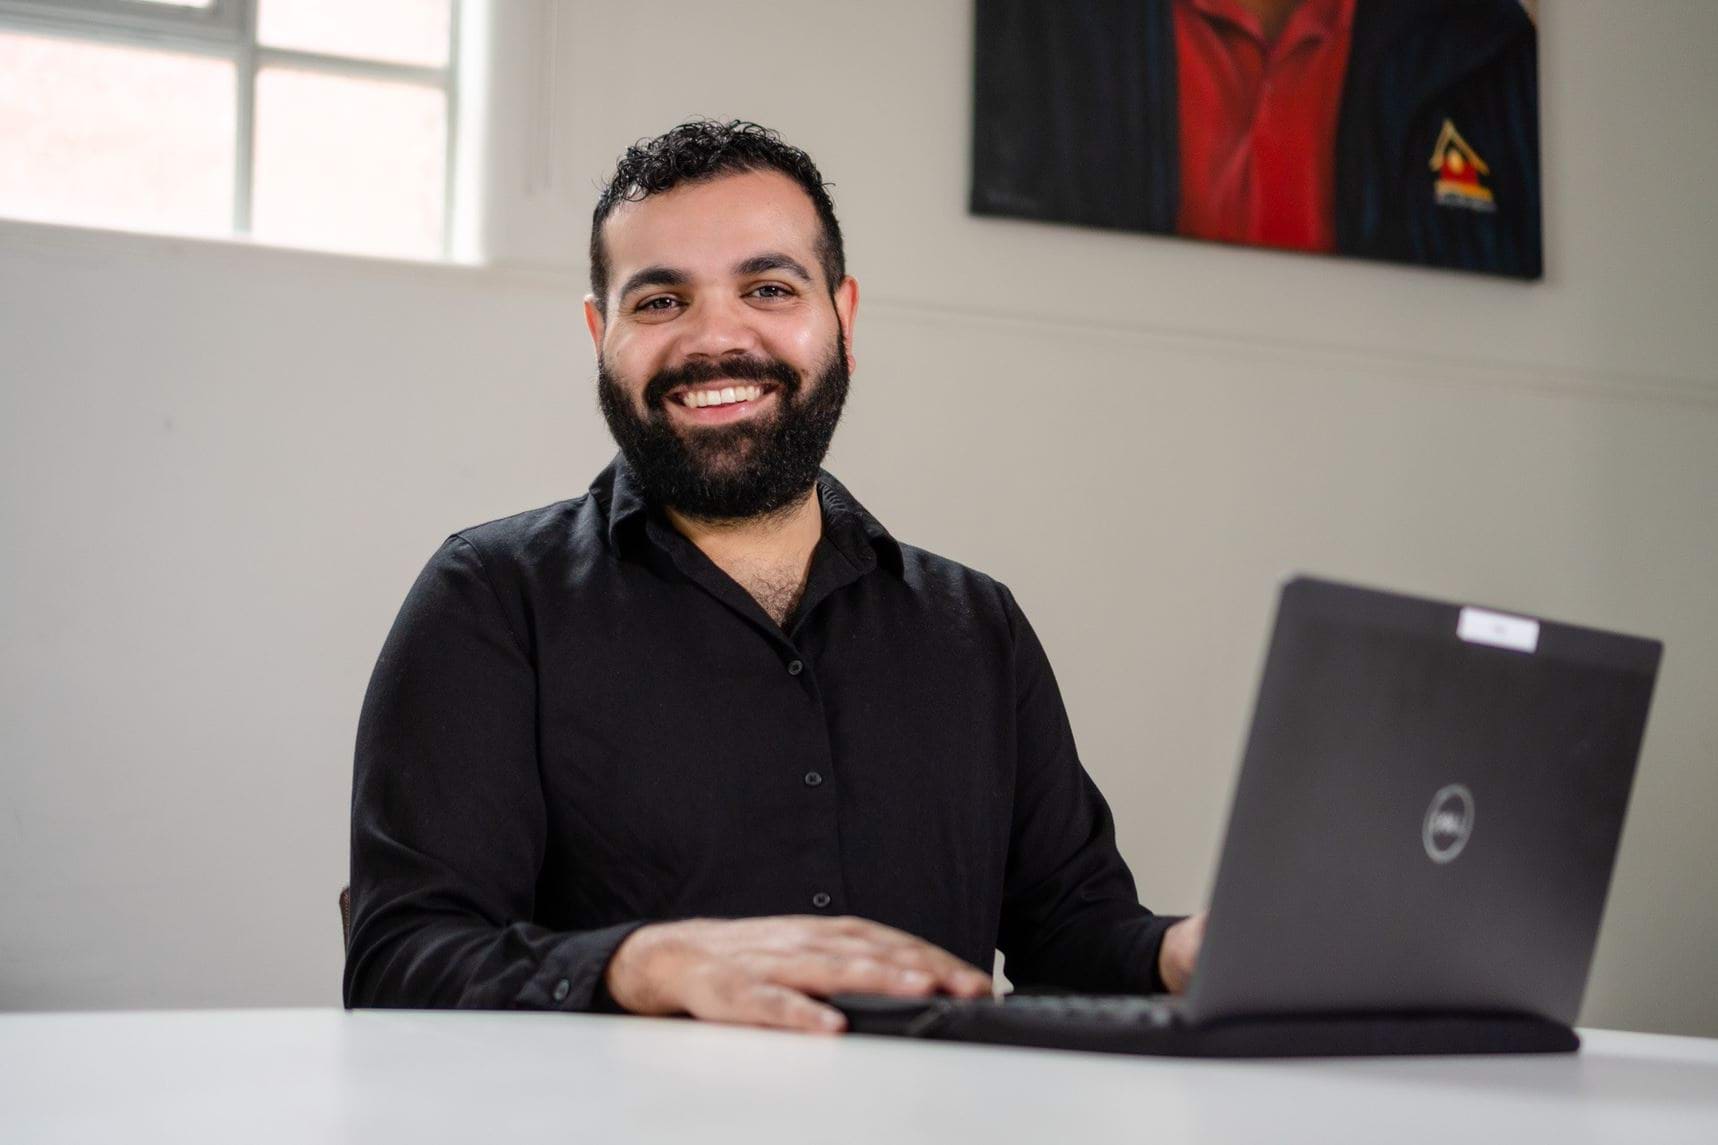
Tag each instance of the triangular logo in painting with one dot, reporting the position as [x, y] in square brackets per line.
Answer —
[1459, 171]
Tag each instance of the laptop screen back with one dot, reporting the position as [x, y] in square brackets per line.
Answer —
[1428, 810]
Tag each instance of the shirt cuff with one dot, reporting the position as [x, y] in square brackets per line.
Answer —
[1160, 927]
[571, 974]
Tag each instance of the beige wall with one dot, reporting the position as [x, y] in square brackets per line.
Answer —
[224, 466]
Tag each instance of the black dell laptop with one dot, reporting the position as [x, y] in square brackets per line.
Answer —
[1418, 853]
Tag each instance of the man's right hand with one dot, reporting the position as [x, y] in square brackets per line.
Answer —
[766, 971]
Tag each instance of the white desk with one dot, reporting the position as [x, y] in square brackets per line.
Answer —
[314, 1076]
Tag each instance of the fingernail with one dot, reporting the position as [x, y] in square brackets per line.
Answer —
[917, 979]
[831, 1020]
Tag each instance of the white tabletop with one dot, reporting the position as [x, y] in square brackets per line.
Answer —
[379, 1077]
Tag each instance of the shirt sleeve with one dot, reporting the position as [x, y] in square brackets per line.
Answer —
[1071, 917]
[448, 822]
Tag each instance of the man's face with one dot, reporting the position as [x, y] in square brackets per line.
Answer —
[722, 358]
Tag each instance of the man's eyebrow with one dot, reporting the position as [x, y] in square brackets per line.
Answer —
[655, 276]
[774, 260]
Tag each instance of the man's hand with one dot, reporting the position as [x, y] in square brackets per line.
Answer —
[764, 971]
[1179, 954]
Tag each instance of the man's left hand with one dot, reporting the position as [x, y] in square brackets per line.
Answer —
[1179, 954]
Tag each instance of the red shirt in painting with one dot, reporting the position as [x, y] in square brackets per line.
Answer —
[1258, 122]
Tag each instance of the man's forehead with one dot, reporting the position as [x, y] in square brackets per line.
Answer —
[712, 225]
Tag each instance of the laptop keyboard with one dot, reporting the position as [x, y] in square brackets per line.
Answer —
[1059, 1016]
[1101, 1009]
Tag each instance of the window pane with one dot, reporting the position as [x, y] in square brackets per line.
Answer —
[113, 136]
[349, 164]
[400, 31]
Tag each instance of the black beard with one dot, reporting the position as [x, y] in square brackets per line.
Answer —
[732, 472]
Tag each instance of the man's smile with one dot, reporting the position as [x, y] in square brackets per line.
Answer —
[718, 403]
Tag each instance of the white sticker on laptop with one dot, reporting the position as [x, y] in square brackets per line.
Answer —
[1481, 627]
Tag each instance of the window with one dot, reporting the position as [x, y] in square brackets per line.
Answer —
[316, 123]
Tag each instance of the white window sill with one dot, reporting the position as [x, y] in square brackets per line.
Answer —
[20, 236]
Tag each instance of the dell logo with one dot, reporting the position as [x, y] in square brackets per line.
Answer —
[1449, 822]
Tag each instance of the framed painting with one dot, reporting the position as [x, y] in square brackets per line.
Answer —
[1405, 130]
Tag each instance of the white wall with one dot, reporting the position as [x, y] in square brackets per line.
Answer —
[224, 466]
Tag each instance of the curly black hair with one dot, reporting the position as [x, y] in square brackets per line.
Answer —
[705, 149]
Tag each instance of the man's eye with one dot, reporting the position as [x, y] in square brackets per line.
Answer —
[659, 303]
[772, 290]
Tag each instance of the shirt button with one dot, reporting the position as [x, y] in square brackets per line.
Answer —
[819, 900]
[812, 779]
[794, 667]
[562, 989]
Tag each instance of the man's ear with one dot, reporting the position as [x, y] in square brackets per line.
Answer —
[594, 322]
[846, 310]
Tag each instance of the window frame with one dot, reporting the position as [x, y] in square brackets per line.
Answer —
[228, 29]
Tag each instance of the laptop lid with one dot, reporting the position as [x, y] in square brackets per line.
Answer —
[1428, 810]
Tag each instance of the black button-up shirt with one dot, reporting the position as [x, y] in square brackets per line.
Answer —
[579, 724]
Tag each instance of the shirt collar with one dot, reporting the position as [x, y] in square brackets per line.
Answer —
[1311, 20]
[847, 524]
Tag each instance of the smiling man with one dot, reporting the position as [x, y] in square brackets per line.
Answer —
[708, 739]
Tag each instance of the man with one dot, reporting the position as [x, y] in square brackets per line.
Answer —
[1392, 129]
[707, 739]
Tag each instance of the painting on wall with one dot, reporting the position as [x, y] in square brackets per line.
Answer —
[1405, 130]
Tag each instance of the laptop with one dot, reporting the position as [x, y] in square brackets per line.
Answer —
[1418, 852]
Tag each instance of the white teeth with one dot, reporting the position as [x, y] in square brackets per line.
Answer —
[697, 399]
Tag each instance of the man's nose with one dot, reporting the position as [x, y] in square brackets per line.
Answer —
[718, 327]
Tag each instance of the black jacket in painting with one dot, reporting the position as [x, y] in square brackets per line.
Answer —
[1076, 120]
